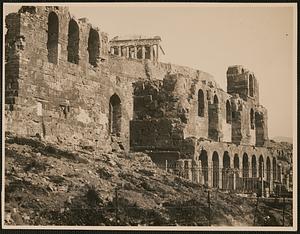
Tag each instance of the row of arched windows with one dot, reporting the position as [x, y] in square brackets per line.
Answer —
[229, 113]
[73, 41]
[201, 106]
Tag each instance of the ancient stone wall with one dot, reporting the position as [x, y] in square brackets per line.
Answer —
[67, 98]
[66, 79]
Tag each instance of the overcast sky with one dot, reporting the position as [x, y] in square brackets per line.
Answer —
[211, 38]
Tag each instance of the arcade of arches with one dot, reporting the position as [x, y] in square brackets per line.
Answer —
[242, 172]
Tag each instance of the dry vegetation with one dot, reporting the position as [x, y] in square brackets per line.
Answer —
[48, 184]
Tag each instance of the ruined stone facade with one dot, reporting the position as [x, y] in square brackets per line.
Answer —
[65, 81]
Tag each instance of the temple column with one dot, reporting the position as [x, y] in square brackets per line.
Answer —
[156, 54]
[127, 51]
[119, 51]
[143, 52]
[112, 50]
[151, 53]
[135, 52]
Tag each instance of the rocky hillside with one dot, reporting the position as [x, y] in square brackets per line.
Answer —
[48, 184]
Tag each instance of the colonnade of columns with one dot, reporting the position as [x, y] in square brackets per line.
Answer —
[137, 52]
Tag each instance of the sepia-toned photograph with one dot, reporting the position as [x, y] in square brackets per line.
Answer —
[149, 116]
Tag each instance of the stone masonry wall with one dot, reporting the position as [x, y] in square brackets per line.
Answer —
[63, 102]
[69, 102]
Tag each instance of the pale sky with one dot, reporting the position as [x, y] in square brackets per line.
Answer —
[211, 38]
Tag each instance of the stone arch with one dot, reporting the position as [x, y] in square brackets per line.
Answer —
[204, 164]
[251, 118]
[73, 42]
[226, 160]
[254, 166]
[261, 166]
[93, 47]
[236, 161]
[115, 115]
[228, 112]
[268, 168]
[251, 86]
[236, 166]
[216, 99]
[213, 119]
[245, 166]
[226, 171]
[215, 168]
[52, 42]
[201, 104]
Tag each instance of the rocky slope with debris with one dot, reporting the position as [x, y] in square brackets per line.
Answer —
[47, 184]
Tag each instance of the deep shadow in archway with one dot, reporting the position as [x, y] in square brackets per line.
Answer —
[115, 115]
[204, 164]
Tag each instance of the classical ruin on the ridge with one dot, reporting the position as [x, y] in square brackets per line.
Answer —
[65, 81]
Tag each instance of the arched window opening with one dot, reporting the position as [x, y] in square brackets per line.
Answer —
[115, 115]
[215, 161]
[251, 86]
[200, 103]
[204, 164]
[52, 43]
[73, 42]
[226, 175]
[236, 162]
[213, 119]
[261, 167]
[226, 160]
[254, 166]
[236, 165]
[245, 166]
[252, 118]
[216, 100]
[228, 112]
[268, 170]
[93, 47]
